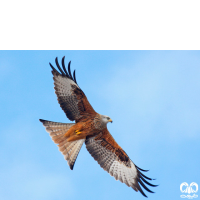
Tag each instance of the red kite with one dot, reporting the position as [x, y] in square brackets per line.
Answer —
[89, 127]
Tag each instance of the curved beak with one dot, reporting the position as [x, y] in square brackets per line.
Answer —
[110, 120]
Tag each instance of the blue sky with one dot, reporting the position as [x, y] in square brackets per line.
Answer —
[153, 98]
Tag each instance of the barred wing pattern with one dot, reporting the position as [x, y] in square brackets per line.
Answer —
[116, 162]
[70, 97]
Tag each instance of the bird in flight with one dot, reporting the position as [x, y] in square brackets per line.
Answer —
[89, 127]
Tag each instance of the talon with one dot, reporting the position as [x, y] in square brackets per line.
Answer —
[77, 132]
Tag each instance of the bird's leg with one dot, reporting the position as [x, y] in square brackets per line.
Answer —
[70, 131]
[74, 130]
[77, 132]
[80, 132]
[79, 128]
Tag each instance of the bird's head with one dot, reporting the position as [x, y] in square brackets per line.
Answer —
[106, 119]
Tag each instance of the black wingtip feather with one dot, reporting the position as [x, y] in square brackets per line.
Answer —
[141, 191]
[141, 179]
[74, 76]
[147, 181]
[144, 186]
[53, 69]
[69, 70]
[63, 70]
[63, 65]
[145, 176]
[141, 169]
[56, 60]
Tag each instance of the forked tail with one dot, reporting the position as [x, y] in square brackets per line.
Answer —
[57, 132]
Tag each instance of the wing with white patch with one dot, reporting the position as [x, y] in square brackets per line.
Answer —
[70, 97]
[116, 162]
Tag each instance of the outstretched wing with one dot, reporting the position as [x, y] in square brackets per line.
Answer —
[70, 97]
[113, 159]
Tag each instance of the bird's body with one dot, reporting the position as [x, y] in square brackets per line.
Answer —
[88, 126]
[91, 128]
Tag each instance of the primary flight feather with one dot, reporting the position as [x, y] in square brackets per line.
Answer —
[89, 127]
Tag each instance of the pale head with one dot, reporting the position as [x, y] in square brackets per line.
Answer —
[105, 119]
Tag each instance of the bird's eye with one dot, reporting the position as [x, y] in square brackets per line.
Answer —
[108, 118]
